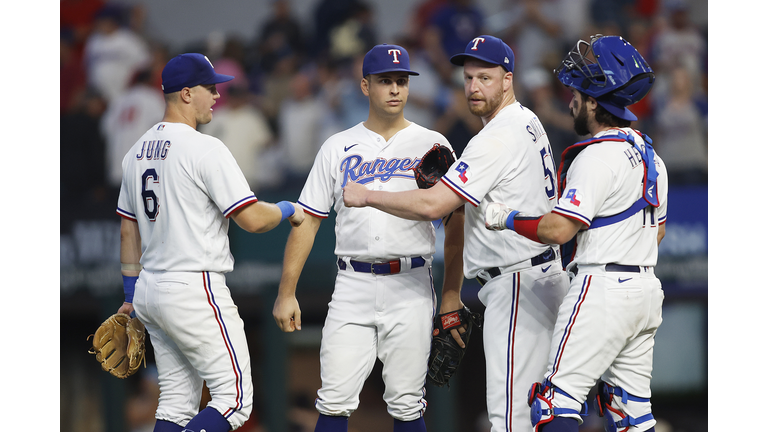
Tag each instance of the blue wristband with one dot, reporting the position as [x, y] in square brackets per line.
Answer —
[129, 286]
[286, 208]
[510, 223]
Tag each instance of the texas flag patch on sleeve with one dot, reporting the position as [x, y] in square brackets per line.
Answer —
[572, 196]
[463, 170]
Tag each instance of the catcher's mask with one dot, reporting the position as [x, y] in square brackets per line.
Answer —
[609, 69]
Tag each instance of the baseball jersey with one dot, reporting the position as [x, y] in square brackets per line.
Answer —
[605, 179]
[363, 156]
[508, 161]
[181, 186]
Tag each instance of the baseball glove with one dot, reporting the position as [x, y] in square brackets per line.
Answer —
[433, 165]
[446, 354]
[119, 345]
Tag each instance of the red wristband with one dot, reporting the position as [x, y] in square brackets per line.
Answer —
[528, 227]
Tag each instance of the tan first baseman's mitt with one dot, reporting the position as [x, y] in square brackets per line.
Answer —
[119, 345]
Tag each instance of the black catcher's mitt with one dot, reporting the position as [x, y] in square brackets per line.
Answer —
[446, 354]
[433, 165]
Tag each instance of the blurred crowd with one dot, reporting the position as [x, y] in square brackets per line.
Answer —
[296, 84]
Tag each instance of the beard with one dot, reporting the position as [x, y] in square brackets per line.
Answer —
[488, 107]
[580, 121]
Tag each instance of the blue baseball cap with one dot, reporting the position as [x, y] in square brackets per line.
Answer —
[489, 49]
[189, 70]
[387, 58]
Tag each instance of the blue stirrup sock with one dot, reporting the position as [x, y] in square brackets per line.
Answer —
[417, 425]
[327, 423]
[210, 420]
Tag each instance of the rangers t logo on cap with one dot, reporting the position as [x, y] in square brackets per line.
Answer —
[387, 58]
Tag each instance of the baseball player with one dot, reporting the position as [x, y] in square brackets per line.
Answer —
[523, 281]
[179, 190]
[614, 200]
[383, 302]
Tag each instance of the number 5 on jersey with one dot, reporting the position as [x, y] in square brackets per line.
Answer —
[546, 158]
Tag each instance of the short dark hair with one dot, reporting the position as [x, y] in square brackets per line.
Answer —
[602, 116]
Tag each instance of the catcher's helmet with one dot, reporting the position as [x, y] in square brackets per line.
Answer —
[615, 74]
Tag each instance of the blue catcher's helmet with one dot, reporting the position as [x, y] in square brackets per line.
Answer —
[609, 69]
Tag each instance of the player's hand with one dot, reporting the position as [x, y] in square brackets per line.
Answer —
[496, 215]
[448, 306]
[354, 194]
[126, 308]
[287, 313]
[297, 217]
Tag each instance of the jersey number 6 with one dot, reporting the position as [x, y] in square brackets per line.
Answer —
[151, 206]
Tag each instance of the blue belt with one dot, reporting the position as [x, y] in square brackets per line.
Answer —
[390, 267]
[546, 256]
[612, 268]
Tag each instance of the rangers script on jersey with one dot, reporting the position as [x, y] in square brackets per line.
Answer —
[363, 156]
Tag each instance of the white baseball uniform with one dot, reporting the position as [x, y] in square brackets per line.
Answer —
[181, 186]
[388, 316]
[510, 161]
[608, 319]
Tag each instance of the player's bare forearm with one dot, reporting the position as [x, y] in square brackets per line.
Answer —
[130, 247]
[662, 232]
[286, 310]
[453, 276]
[418, 204]
[556, 229]
[297, 249]
[261, 217]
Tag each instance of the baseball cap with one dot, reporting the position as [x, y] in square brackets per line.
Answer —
[189, 70]
[387, 58]
[489, 49]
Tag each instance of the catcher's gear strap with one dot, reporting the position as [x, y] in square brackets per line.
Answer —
[616, 417]
[650, 176]
[540, 400]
